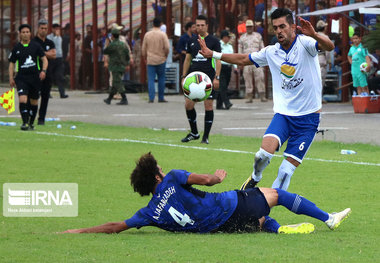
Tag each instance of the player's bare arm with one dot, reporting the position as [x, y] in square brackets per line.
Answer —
[238, 59]
[186, 65]
[218, 67]
[324, 43]
[11, 74]
[207, 179]
[44, 68]
[107, 228]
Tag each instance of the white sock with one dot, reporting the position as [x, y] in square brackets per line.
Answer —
[285, 173]
[262, 159]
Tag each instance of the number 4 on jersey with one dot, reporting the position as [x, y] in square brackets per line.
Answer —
[180, 218]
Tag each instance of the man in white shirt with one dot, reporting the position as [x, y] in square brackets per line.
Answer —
[296, 77]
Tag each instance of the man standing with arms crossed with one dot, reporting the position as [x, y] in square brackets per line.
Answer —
[195, 61]
[25, 55]
[49, 48]
[248, 43]
[297, 91]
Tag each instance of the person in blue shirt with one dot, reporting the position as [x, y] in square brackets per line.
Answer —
[178, 207]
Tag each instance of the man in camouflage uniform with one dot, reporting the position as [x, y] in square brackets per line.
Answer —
[119, 57]
[248, 43]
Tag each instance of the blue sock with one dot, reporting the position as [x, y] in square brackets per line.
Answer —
[270, 225]
[300, 205]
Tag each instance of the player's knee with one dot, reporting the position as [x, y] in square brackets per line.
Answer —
[263, 157]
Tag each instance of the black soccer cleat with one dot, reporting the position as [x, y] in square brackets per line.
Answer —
[31, 127]
[191, 137]
[24, 127]
[205, 141]
[249, 183]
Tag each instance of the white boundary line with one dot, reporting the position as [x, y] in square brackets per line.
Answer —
[194, 147]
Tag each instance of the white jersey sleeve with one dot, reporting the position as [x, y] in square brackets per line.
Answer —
[259, 59]
[310, 44]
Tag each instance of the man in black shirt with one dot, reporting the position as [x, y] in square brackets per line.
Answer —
[194, 61]
[49, 49]
[25, 56]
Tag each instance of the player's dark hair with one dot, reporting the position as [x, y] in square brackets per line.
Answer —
[156, 22]
[357, 34]
[143, 177]
[202, 17]
[188, 25]
[281, 12]
[23, 26]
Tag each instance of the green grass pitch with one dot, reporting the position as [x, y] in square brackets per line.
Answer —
[100, 158]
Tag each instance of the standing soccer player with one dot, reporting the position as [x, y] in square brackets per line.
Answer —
[25, 55]
[195, 61]
[297, 91]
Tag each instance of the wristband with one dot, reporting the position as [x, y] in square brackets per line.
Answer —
[44, 70]
[217, 55]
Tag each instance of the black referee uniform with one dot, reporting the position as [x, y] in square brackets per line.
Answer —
[26, 57]
[207, 66]
[46, 83]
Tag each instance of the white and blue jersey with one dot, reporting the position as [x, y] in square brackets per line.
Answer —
[176, 206]
[297, 93]
[296, 75]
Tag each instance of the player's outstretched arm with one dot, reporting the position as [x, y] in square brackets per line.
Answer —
[324, 43]
[207, 179]
[238, 59]
[108, 228]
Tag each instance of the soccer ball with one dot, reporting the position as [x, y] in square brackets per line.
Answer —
[197, 86]
[363, 66]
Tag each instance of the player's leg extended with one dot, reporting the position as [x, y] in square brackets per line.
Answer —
[302, 130]
[270, 225]
[276, 133]
[300, 205]
[192, 118]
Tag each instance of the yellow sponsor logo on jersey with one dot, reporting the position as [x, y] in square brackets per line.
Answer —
[288, 69]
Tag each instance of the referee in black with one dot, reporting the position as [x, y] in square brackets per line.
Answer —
[194, 61]
[49, 49]
[24, 59]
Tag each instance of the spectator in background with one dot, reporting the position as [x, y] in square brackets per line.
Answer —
[248, 43]
[225, 73]
[323, 56]
[87, 67]
[65, 48]
[155, 50]
[118, 54]
[49, 49]
[78, 58]
[356, 56]
[190, 31]
[56, 67]
[242, 25]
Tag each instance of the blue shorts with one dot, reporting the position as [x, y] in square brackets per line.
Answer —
[251, 206]
[298, 130]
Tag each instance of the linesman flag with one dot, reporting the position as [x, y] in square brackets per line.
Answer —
[7, 101]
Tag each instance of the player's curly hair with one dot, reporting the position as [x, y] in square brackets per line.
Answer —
[143, 177]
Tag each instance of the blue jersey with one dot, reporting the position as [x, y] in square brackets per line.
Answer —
[176, 206]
